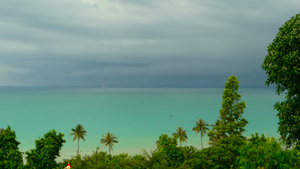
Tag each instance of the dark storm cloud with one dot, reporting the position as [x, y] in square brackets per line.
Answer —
[137, 43]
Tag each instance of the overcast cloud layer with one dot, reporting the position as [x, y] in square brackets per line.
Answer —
[137, 43]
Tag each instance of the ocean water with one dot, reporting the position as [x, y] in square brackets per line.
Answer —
[137, 116]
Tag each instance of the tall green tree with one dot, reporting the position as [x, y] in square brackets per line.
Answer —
[79, 133]
[282, 65]
[202, 127]
[230, 122]
[46, 151]
[181, 135]
[226, 135]
[109, 140]
[10, 155]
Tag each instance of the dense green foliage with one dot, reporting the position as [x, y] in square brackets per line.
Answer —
[2, 130]
[104, 160]
[168, 154]
[282, 65]
[256, 152]
[264, 152]
[79, 132]
[10, 156]
[46, 151]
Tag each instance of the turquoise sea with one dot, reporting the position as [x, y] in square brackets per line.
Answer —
[137, 116]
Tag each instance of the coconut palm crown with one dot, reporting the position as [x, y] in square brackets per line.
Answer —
[109, 140]
[181, 135]
[79, 133]
[202, 127]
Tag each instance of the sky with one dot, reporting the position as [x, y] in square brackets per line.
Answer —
[142, 43]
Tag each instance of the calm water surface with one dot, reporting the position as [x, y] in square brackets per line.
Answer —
[137, 116]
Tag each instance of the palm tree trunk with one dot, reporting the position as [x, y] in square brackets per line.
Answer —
[201, 142]
[78, 148]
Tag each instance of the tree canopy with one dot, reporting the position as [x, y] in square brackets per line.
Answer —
[230, 122]
[10, 156]
[282, 65]
[226, 134]
[46, 151]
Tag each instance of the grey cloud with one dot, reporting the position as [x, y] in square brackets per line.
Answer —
[144, 43]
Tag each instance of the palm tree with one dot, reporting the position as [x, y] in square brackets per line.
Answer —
[109, 140]
[181, 135]
[78, 133]
[201, 126]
